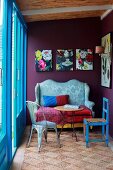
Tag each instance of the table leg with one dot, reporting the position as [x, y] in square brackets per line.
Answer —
[60, 130]
[74, 133]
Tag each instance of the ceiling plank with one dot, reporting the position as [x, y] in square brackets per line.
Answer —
[45, 4]
[67, 15]
[66, 9]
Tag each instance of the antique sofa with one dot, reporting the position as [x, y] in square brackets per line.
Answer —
[78, 95]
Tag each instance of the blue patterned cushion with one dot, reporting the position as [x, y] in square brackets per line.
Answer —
[49, 101]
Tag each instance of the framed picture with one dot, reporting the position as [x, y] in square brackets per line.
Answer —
[106, 61]
[84, 59]
[105, 70]
[64, 60]
[106, 43]
[43, 60]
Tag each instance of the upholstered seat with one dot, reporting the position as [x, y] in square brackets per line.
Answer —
[77, 91]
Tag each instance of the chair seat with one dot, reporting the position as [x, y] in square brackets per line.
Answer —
[47, 124]
[93, 120]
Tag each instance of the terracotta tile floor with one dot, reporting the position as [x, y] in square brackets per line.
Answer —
[72, 155]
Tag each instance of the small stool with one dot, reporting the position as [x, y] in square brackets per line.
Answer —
[104, 122]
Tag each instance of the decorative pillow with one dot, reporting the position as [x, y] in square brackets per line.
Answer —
[62, 100]
[55, 100]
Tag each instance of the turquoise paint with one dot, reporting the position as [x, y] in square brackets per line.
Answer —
[20, 15]
[15, 74]
[104, 125]
[25, 68]
[6, 155]
[18, 65]
[9, 83]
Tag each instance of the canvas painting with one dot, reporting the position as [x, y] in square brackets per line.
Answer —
[84, 59]
[106, 43]
[106, 61]
[43, 60]
[105, 70]
[64, 60]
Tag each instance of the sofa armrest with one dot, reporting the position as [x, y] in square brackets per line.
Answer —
[37, 95]
[90, 105]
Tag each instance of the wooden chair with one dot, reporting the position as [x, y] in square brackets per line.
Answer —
[104, 122]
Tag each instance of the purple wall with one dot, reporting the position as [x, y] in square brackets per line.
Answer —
[62, 34]
[107, 26]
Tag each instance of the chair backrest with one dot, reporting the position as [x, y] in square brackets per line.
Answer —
[32, 107]
[105, 111]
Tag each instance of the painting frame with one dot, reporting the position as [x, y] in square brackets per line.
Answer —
[106, 61]
[84, 59]
[64, 59]
[43, 60]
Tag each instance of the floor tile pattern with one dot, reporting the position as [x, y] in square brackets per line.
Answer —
[72, 155]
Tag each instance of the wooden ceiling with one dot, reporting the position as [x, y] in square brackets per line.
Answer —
[40, 10]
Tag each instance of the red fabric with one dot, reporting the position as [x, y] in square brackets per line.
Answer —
[50, 114]
[62, 100]
[63, 117]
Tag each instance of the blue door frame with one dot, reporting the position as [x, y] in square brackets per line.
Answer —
[6, 156]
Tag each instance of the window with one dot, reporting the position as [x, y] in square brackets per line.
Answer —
[1, 57]
[12, 80]
[1, 11]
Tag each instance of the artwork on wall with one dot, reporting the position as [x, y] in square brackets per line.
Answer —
[84, 59]
[106, 43]
[106, 61]
[43, 60]
[64, 60]
[105, 70]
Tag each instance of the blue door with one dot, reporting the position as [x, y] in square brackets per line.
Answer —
[3, 87]
[12, 80]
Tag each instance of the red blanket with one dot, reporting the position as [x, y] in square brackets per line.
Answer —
[63, 117]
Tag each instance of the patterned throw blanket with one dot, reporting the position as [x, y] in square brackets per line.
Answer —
[53, 115]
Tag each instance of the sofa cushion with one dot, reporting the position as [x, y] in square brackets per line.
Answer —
[62, 100]
[50, 101]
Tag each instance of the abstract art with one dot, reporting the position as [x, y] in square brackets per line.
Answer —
[105, 70]
[106, 61]
[84, 59]
[43, 60]
[106, 43]
[64, 60]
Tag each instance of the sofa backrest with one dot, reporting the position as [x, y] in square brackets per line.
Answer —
[78, 91]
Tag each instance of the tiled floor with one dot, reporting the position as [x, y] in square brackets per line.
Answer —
[72, 155]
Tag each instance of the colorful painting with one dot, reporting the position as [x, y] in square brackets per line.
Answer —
[106, 61]
[43, 60]
[84, 59]
[64, 60]
[106, 43]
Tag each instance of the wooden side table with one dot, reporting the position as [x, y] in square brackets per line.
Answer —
[72, 115]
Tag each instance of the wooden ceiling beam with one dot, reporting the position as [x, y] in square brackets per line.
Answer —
[39, 10]
[67, 9]
[67, 15]
[44, 4]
